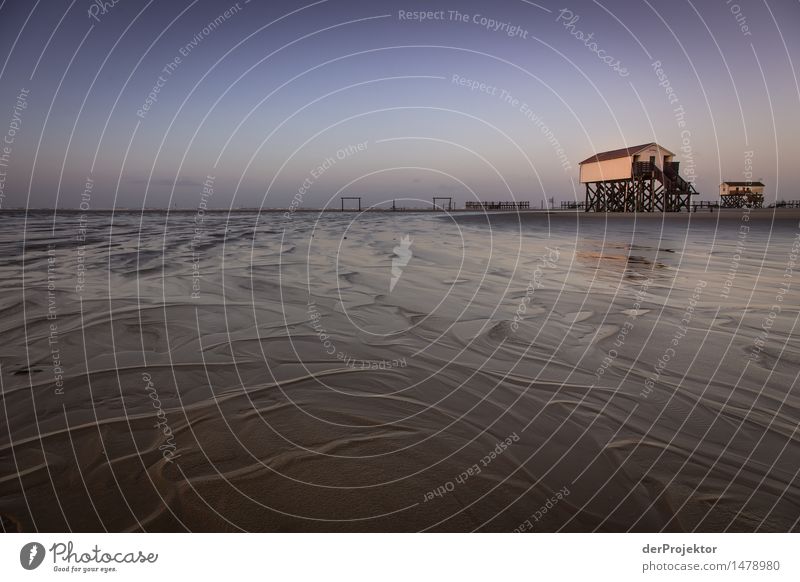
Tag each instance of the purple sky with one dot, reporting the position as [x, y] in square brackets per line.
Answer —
[499, 101]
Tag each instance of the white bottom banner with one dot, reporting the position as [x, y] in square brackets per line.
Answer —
[356, 557]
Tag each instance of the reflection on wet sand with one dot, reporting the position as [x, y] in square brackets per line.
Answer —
[615, 260]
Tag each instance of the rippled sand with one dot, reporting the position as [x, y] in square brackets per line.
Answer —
[518, 364]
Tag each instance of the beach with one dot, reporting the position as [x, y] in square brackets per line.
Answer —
[297, 371]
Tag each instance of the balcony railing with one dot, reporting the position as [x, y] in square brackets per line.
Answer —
[643, 168]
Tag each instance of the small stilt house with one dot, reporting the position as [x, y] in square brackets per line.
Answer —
[641, 178]
[741, 194]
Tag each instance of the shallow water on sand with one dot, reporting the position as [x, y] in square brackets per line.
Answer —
[309, 373]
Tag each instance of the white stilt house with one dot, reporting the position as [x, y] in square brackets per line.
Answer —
[641, 178]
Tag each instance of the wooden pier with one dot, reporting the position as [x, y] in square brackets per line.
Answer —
[472, 205]
[711, 206]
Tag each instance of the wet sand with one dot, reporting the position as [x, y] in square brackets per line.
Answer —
[569, 371]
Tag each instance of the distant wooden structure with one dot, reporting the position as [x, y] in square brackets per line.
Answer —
[480, 205]
[641, 178]
[711, 206]
[449, 203]
[741, 194]
[343, 198]
[786, 204]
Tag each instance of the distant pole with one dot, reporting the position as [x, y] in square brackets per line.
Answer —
[343, 198]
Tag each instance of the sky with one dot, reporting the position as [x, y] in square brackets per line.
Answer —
[133, 104]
